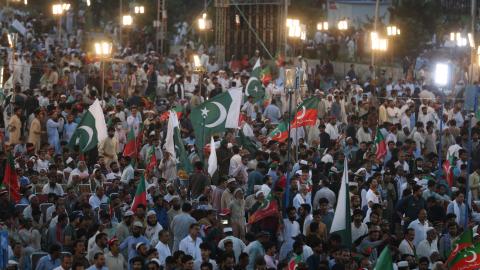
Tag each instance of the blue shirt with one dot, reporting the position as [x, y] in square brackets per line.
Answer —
[131, 243]
[68, 130]
[93, 267]
[272, 112]
[46, 263]
[52, 129]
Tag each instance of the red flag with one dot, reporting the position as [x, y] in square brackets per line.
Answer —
[165, 115]
[448, 169]
[10, 179]
[140, 195]
[131, 147]
[380, 145]
[280, 133]
[306, 113]
[267, 209]
[153, 160]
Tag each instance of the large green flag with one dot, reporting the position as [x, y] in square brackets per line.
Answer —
[91, 130]
[384, 261]
[466, 259]
[341, 223]
[254, 85]
[216, 115]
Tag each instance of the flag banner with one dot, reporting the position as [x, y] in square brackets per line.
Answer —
[91, 130]
[140, 195]
[254, 85]
[280, 133]
[130, 148]
[10, 179]
[384, 261]
[212, 159]
[466, 259]
[464, 241]
[341, 223]
[216, 115]
[267, 209]
[380, 145]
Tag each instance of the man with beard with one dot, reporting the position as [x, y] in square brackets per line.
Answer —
[33, 207]
[115, 172]
[227, 195]
[108, 147]
[52, 186]
[134, 239]
[123, 228]
[100, 245]
[153, 227]
[170, 192]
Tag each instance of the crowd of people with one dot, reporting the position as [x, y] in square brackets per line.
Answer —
[74, 208]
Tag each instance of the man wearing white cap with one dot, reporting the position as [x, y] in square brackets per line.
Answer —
[131, 242]
[238, 245]
[153, 227]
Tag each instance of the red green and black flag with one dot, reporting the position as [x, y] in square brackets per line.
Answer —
[380, 145]
[293, 263]
[280, 133]
[306, 113]
[464, 241]
[152, 159]
[268, 208]
[10, 179]
[466, 259]
[140, 195]
[178, 109]
[266, 75]
[130, 149]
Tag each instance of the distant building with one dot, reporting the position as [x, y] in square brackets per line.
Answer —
[357, 11]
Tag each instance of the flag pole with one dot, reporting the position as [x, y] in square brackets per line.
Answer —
[289, 145]
[469, 164]
[440, 138]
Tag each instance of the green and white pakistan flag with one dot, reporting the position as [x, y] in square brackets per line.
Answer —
[91, 130]
[174, 143]
[341, 223]
[216, 115]
[254, 85]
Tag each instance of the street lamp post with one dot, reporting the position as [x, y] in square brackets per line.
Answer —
[200, 70]
[58, 10]
[393, 31]
[204, 25]
[127, 21]
[103, 49]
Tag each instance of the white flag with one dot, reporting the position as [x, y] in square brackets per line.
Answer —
[212, 159]
[169, 142]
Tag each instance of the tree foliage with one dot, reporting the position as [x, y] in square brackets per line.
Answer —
[419, 20]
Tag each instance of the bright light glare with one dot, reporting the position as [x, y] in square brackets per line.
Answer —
[103, 48]
[196, 61]
[343, 25]
[471, 41]
[127, 20]
[441, 74]
[1, 77]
